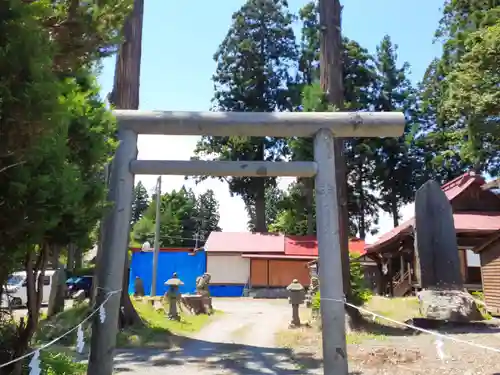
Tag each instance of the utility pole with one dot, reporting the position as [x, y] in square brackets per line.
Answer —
[197, 237]
[333, 313]
[157, 238]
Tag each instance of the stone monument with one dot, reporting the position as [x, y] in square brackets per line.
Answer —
[437, 260]
[438, 263]
[138, 287]
[296, 298]
[313, 288]
[202, 289]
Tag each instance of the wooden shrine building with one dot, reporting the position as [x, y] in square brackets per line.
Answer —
[476, 214]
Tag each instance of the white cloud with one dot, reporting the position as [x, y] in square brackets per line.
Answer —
[232, 209]
[234, 217]
[385, 221]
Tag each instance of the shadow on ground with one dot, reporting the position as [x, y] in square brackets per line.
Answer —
[218, 357]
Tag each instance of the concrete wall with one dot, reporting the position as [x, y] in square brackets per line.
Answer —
[228, 268]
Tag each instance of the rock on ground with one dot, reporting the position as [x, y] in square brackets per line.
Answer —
[450, 305]
[239, 342]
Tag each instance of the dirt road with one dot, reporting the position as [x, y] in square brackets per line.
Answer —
[240, 342]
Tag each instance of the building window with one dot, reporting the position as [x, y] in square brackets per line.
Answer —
[473, 259]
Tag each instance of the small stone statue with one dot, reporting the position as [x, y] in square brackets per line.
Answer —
[313, 288]
[202, 288]
[173, 296]
[296, 298]
[138, 287]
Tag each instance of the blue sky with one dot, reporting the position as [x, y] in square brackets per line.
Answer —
[180, 39]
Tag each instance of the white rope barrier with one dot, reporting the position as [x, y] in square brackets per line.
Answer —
[438, 335]
[35, 361]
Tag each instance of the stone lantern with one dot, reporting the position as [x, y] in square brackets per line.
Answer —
[173, 296]
[296, 297]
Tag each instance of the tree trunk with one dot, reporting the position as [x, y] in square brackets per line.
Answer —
[331, 76]
[34, 289]
[70, 261]
[78, 258]
[58, 290]
[260, 206]
[395, 212]
[129, 315]
[125, 95]
[309, 186]
[361, 206]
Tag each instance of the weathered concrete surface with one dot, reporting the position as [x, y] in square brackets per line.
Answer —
[240, 342]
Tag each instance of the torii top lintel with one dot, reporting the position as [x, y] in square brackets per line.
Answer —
[261, 124]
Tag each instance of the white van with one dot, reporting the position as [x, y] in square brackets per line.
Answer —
[15, 293]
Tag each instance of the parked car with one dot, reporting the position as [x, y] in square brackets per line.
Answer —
[15, 294]
[76, 283]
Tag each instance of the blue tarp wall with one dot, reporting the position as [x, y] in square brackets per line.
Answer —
[226, 290]
[188, 268]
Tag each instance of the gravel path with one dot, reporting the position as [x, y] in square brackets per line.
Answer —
[239, 342]
[417, 355]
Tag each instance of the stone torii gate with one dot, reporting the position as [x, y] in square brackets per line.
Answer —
[323, 126]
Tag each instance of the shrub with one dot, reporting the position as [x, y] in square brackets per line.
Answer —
[360, 293]
[56, 363]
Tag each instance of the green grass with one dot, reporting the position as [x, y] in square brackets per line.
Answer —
[156, 331]
[63, 322]
[400, 309]
[358, 337]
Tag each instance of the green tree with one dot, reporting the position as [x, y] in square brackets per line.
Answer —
[183, 216]
[206, 215]
[472, 93]
[395, 165]
[457, 138]
[44, 181]
[81, 202]
[291, 218]
[252, 73]
[140, 203]
[273, 198]
[359, 80]
[59, 191]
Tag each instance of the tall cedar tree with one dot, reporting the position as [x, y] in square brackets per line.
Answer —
[470, 60]
[395, 164]
[253, 63]
[140, 203]
[359, 78]
[457, 139]
[473, 90]
[125, 95]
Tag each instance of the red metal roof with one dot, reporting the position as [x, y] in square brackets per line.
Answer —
[278, 256]
[308, 246]
[476, 221]
[166, 249]
[464, 222]
[458, 185]
[245, 242]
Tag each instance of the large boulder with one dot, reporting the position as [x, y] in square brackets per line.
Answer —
[449, 305]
